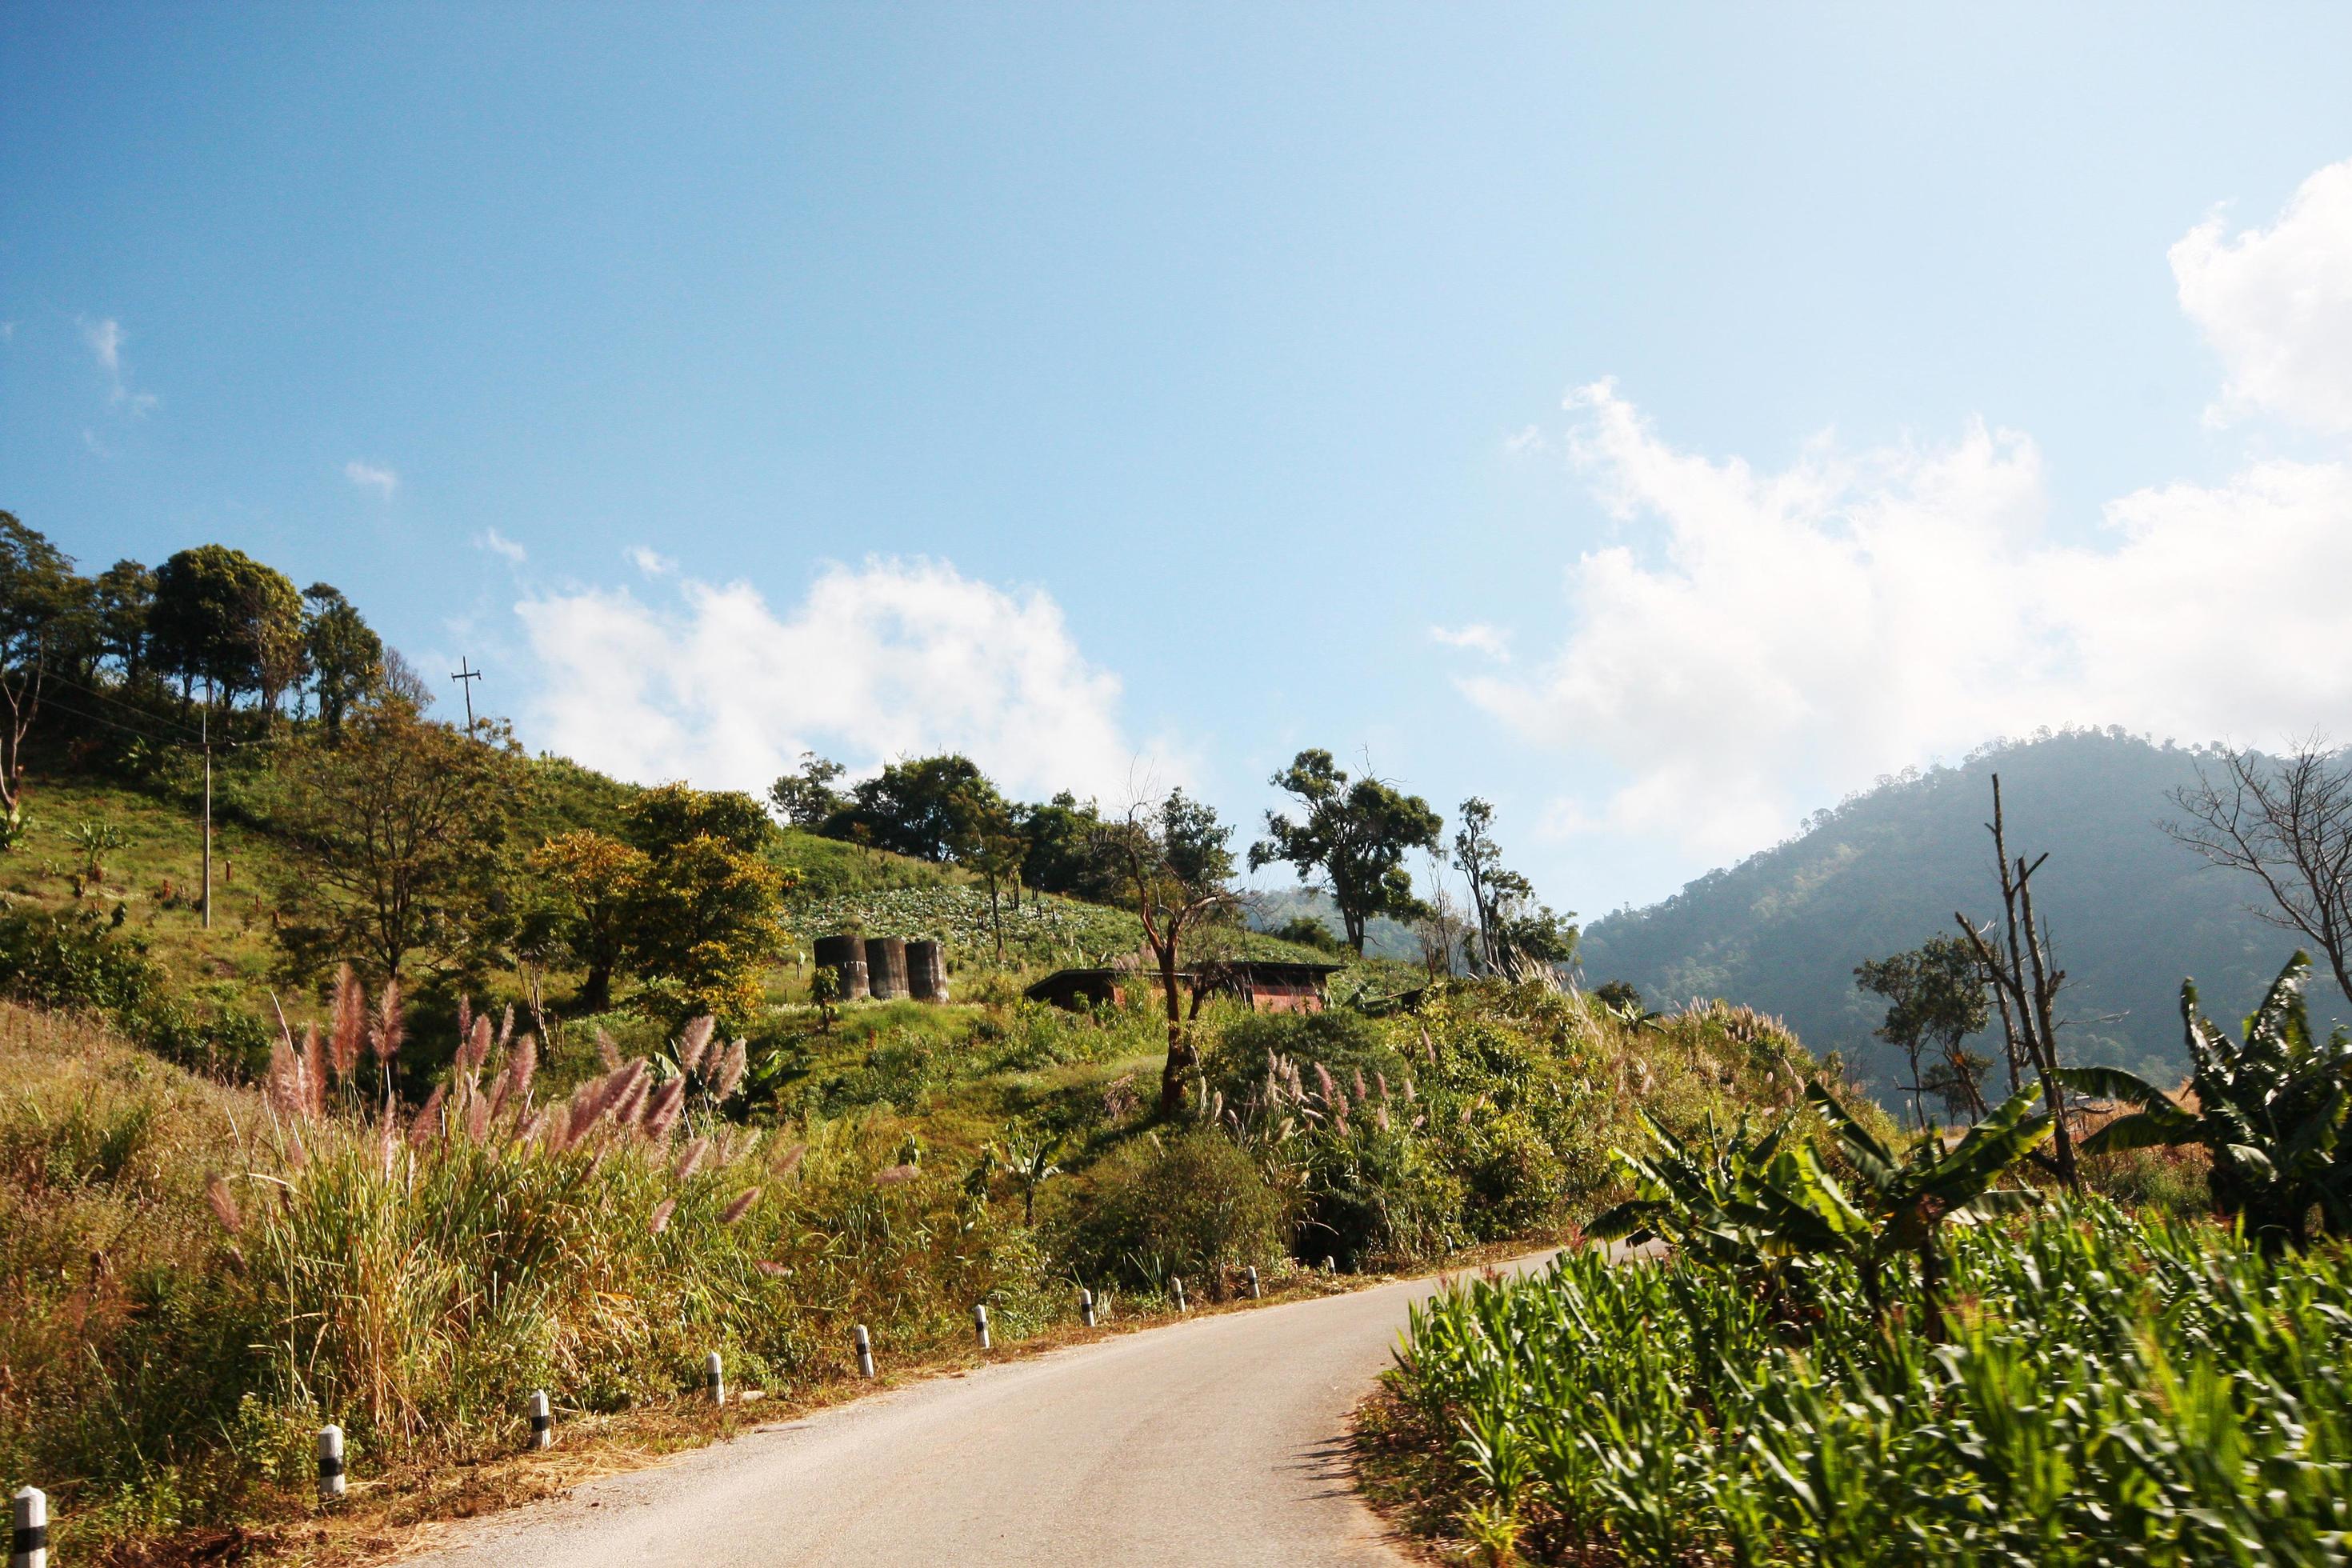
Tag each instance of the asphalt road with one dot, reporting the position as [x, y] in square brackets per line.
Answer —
[1220, 1440]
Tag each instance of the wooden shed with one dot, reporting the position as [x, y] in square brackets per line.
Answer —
[1267, 987]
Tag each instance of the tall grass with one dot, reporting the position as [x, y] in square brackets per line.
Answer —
[198, 1276]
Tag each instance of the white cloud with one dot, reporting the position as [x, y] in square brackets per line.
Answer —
[497, 543]
[105, 339]
[372, 476]
[2276, 304]
[895, 659]
[1759, 641]
[1477, 637]
[651, 563]
[1766, 640]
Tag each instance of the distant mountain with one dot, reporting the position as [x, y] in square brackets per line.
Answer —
[2130, 912]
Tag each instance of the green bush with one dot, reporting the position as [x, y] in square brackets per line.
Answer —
[1340, 1040]
[76, 960]
[1187, 1204]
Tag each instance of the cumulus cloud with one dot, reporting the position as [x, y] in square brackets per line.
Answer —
[1477, 637]
[1764, 640]
[893, 658]
[497, 543]
[1758, 641]
[650, 562]
[2276, 305]
[371, 477]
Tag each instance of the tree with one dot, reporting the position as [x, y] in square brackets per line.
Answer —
[345, 656]
[706, 919]
[917, 807]
[40, 603]
[122, 597]
[989, 842]
[807, 798]
[221, 617]
[2270, 1108]
[598, 880]
[2015, 962]
[2288, 824]
[1063, 854]
[1517, 936]
[1936, 998]
[1177, 860]
[393, 838]
[1354, 836]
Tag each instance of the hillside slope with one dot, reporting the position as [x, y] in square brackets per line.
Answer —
[2132, 912]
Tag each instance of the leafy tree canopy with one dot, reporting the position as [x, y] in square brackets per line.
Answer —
[1354, 836]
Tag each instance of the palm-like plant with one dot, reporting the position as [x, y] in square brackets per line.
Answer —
[2270, 1109]
[1701, 1195]
[1901, 1201]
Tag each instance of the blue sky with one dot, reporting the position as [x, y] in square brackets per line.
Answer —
[1661, 421]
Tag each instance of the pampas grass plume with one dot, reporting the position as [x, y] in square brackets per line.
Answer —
[740, 1207]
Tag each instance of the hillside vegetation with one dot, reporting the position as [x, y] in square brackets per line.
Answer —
[2132, 912]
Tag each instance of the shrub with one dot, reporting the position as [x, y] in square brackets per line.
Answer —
[76, 961]
[1186, 1204]
[1340, 1040]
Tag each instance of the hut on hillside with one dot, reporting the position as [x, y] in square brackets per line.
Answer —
[1266, 986]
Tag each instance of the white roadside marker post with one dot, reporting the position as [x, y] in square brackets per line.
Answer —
[28, 1535]
[1087, 1308]
[1180, 1307]
[864, 1352]
[980, 1322]
[542, 1422]
[1255, 1294]
[330, 1463]
[714, 1372]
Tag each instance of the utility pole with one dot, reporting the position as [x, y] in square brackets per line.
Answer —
[205, 731]
[464, 678]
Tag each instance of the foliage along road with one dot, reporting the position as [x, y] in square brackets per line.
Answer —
[1220, 1440]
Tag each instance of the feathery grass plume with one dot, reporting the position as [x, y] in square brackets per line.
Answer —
[694, 1040]
[477, 1048]
[350, 1023]
[283, 1084]
[662, 1211]
[791, 1160]
[522, 1062]
[387, 1138]
[606, 1051]
[893, 1174]
[390, 1029]
[773, 1270]
[740, 1207]
[731, 1069]
[662, 1110]
[314, 1071]
[506, 1026]
[629, 1094]
[224, 1202]
[477, 1118]
[499, 1096]
[428, 1117]
[690, 1159]
[464, 1015]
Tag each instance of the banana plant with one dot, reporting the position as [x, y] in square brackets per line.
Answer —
[2270, 1108]
[1898, 1202]
[1699, 1196]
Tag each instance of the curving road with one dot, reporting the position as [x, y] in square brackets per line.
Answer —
[1220, 1440]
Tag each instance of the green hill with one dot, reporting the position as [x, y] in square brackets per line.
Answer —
[2131, 912]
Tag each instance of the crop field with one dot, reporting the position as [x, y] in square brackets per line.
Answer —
[2114, 1390]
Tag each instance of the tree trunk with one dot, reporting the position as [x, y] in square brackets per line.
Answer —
[597, 991]
[1182, 1056]
[1931, 1287]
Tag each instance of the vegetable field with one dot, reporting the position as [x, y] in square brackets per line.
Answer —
[2112, 1390]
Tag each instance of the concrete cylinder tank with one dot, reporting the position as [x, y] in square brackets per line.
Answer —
[927, 971]
[846, 956]
[885, 967]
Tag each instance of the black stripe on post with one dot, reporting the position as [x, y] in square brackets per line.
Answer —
[542, 1422]
[27, 1539]
[330, 1469]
